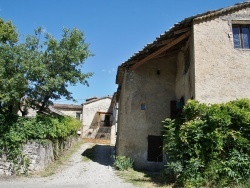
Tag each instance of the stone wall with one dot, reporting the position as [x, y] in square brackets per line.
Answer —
[221, 71]
[36, 156]
[145, 86]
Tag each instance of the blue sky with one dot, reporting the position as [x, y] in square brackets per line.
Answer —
[115, 29]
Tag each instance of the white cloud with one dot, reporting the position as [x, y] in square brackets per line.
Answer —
[109, 71]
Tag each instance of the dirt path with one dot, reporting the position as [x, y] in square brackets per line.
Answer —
[76, 172]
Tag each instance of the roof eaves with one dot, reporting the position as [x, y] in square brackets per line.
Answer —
[67, 106]
[222, 11]
[185, 22]
[94, 100]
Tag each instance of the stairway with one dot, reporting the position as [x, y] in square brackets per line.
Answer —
[101, 135]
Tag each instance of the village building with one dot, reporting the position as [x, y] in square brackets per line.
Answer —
[205, 57]
[98, 120]
[71, 110]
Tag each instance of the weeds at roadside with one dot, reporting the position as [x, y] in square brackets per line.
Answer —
[144, 179]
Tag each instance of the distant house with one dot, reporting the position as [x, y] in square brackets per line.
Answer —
[96, 112]
[204, 57]
[71, 110]
[98, 120]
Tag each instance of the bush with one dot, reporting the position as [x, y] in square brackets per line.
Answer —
[209, 145]
[15, 130]
[123, 163]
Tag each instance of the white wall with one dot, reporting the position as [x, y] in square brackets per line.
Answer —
[90, 108]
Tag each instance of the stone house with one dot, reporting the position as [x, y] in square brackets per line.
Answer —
[204, 57]
[98, 121]
[96, 112]
[71, 110]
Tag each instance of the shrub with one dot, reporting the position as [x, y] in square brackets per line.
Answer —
[208, 145]
[15, 130]
[123, 163]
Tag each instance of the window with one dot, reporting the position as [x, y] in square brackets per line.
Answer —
[155, 144]
[241, 36]
[143, 106]
[176, 107]
[78, 115]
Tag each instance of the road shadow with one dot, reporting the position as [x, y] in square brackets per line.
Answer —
[102, 154]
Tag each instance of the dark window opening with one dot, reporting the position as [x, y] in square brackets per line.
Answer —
[78, 115]
[241, 36]
[176, 107]
[155, 152]
[187, 61]
[107, 120]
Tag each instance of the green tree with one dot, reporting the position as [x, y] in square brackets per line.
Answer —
[8, 32]
[39, 70]
[12, 81]
[55, 65]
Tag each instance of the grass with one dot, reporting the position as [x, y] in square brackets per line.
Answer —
[150, 179]
[54, 166]
[144, 179]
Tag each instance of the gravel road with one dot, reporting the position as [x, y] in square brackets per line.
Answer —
[76, 172]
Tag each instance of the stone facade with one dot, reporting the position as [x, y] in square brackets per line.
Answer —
[144, 87]
[71, 110]
[195, 59]
[221, 71]
[99, 120]
[92, 111]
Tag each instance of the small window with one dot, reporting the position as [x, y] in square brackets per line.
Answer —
[143, 106]
[241, 36]
[78, 115]
[155, 152]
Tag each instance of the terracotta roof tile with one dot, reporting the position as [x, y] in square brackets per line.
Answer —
[67, 106]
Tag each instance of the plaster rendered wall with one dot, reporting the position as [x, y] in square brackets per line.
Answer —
[90, 109]
[222, 73]
[184, 81]
[134, 125]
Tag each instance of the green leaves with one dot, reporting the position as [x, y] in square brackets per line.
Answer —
[123, 163]
[40, 69]
[14, 131]
[8, 32]
[209, 144]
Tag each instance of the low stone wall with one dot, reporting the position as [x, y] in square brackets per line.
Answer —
[36, 156]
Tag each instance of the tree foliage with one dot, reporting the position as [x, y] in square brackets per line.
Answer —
[40, 69]
[57, 64]
[16, 130]
[8, 32]
[209, 145]
[12, 74]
